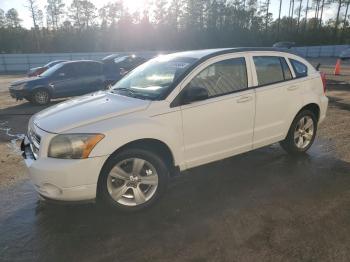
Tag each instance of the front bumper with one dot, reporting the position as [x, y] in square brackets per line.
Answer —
[19, 94]
[323, 108]
[63, 179]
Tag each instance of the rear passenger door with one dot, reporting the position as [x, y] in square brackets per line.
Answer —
[94, 78]
[277, 98]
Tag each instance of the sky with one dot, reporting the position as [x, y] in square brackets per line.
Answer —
[133, 5]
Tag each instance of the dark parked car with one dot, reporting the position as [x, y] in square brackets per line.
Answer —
[285, 44]
[39, 70]
[116, 66]
[62, 80]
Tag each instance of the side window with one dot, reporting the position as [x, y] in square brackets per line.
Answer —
[68, 70]
[299, 68]
[223, 77]
[92, 69]
[88, 69]
[268, 69]
[286, 71]
[79, 69]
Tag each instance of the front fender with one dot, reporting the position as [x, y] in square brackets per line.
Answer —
[123, 130]
[33, 89]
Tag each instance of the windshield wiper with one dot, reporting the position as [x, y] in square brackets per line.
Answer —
[132, 93]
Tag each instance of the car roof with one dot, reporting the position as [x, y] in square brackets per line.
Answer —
[203, 55]
[81, 61]
[206, 53]
[55, 61]
[114, 56]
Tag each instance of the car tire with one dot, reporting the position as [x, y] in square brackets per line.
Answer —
[121, 182]
[301, 134]
[40, 97]
[28, 98]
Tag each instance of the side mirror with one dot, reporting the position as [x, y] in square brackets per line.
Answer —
[194, 93]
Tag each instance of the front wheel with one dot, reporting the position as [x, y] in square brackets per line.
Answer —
[132, 180]
[40, 97]
[301, 134]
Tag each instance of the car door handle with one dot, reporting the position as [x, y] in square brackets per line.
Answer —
[244, 99]
[290, 88]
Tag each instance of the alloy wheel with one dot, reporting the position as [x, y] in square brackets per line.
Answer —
[41, 97]
[132, 182]
[304, 132]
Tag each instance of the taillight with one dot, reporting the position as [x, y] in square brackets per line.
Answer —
[324, 81]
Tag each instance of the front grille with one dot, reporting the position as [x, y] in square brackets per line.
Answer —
[34, 140]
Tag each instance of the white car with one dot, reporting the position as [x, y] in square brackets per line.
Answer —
[173, 113]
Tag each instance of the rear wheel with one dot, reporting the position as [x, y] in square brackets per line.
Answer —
[301, 134]
[40, 97]
[132, 180]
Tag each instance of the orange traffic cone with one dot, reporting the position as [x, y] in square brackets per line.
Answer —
[337, 68]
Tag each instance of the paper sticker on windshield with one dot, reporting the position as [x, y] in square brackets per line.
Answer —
[177, 65]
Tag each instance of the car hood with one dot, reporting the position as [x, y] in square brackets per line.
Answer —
[26, 80]
[86, 110]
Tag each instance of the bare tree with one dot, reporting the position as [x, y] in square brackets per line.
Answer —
[346, 15]
[321, 16]
[89, 13]
[33, 9]
[306, 11]
[111, 12]
[279, 19]
[174, 13]
[54, 10]
[83, 13]
[337, 17]
[299, 12]
[160, 12]
[267, 14]
[291, 14]
[35, 15]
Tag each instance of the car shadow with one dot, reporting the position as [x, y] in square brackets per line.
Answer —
[27, 108]
[214, 202]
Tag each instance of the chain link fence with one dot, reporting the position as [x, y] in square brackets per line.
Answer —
[23, 62]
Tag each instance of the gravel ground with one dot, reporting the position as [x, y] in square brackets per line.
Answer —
[260, 206]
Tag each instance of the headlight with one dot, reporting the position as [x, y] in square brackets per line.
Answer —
[73, 146]
[18, 87]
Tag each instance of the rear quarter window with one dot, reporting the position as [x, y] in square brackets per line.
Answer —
[299, 68]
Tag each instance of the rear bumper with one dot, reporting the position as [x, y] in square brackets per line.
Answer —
[323, 108]
[63, 179]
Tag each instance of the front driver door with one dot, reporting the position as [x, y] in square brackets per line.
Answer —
[221, 125]
[63, 81]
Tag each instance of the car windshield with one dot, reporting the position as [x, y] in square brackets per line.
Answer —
[51, 70]
[120, 59]
[153, 78]
[52, 63]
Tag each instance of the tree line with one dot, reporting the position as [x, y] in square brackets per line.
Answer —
[171, 25]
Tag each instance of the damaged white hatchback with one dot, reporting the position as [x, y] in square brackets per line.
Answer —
[173, 113]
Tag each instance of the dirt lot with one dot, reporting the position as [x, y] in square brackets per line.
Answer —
[261, 206]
